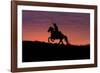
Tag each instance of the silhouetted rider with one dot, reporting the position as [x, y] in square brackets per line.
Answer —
[55, 27]
[56, 30]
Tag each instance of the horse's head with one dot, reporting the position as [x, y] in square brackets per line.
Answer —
[50, 29]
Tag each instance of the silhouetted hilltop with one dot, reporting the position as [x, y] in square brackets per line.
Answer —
[42, 51]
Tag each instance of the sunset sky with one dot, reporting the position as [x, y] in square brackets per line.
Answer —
[76, 26]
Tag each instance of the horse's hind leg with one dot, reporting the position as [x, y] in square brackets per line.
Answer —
[66, 39]
[60, 42]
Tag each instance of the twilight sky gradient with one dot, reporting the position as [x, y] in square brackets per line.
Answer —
[74, 25]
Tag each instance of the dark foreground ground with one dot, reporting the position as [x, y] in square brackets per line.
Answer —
[41, 51]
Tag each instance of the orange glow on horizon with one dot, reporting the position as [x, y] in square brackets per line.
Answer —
[38, 35]
[76, 26]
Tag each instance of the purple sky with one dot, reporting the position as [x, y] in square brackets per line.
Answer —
[74, 25]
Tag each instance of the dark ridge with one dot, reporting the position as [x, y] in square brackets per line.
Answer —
[34, 51]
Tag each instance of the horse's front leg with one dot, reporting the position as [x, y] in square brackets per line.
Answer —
[49, 39]
[52, 40]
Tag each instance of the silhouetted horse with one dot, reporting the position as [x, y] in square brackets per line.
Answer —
[57, 35]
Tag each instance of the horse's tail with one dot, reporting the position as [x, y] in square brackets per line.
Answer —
[66, 39]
